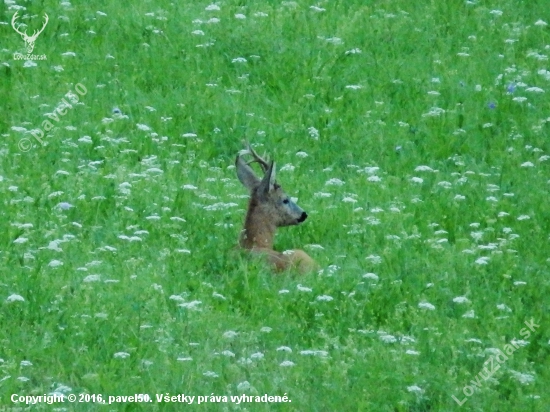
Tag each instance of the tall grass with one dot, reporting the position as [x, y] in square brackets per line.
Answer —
[425, 126]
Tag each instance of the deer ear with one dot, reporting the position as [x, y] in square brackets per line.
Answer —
[246, 175]
[268, 182]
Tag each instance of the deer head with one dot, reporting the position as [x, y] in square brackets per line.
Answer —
[29, 40]
[269, 206]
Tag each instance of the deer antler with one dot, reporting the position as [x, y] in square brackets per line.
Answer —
[25, 35]
[263, 163]
[13, 20]
[36, 33]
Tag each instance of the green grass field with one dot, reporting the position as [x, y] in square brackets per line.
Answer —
[415, 135]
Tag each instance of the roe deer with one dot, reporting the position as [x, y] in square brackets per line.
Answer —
[268, 209]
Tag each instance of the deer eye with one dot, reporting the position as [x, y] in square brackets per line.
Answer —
[285, 201]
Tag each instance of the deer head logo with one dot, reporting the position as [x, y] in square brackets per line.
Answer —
[29, 40]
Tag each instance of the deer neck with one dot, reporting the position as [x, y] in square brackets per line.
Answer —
[258, 232]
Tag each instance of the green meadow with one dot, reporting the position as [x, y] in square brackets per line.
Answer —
[415, 134]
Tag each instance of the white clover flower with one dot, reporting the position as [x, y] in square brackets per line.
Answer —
[334, 182]
[321, 353]
[370, 276]
[470, 314]
[143, 127]
[534, 90]
[15, 298]
[243, 386]
[503, 307]
[55, 263]
[121, 355]
[523, 378]
[374, 259]
[55, 194]
[317, 9]
[303, 288]
[415, 389]
[426, 305]
[334, 40]
[313, 132]
[230, 334]
[193, 305]
[349, 200]
[387, 338]
[461, 299]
